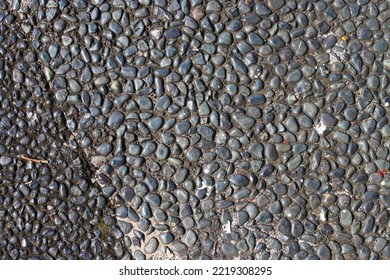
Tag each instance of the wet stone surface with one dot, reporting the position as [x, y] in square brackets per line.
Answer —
[194, 129]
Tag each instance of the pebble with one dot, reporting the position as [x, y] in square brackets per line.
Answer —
[5, 160]
[166, 238]
[190, 238]
[151, 246]
[284, 226]
[323, 252]
[256, 99]
[115, 119]
[380, 46]
[270, 152]
[239, 180]
[229, 250]
[18, 76]
[328, 119]
[297, 229]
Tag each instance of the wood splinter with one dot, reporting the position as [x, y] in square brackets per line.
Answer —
[34, 160]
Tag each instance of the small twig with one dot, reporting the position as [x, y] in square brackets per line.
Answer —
[28, 183]
[34, 160]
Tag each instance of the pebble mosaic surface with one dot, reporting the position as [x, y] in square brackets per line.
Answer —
[194, 129]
